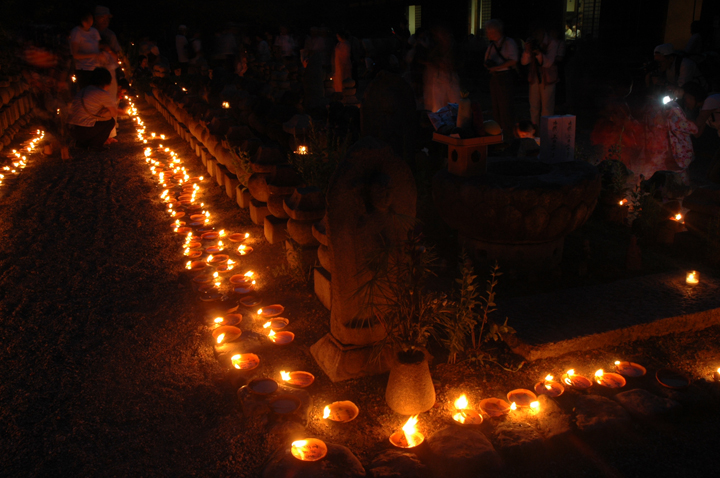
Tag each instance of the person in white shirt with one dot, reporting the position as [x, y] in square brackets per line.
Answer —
[84, 46]
[181, 46]
[540, 54]
[501, 58]
[93, 112]
[285, 43]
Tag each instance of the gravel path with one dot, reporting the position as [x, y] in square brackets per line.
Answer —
[104, 371]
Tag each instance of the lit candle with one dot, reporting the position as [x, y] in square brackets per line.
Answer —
[310, 449]
[692, 278]
[408, 436]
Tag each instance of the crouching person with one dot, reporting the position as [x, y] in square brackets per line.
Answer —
[93, 112]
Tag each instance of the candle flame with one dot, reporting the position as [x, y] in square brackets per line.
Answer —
[326, 412]
[249, 274]
[461, 403]
[678, 217]
[271, 335]
[210, 258]
[599, 375]
[692, 278]
[220, 338]
[222, 233]
[535, 405]
[410, 431]
[513, 406]
[617, 362]
[259, 312]
[267, 325]
[247, 234]
[459, 417]
[218, 320]
[236, 360]
[298, 446]
[285, 375]
[215, 275]
[549, 378]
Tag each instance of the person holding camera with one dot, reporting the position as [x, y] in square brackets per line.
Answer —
[501, 59]
[540, 55]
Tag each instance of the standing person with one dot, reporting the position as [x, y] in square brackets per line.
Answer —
[109, 60]
[674, 69]
[285, 43]
[181, 46]
[540, 53]
[84, 46]
[102, 22]
[93, 112]
[501, 58]
[343, 61]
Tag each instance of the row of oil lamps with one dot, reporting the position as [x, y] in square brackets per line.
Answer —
[19, 161]
[173, 173]
[226, 330]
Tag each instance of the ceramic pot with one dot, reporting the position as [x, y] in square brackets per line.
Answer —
[410, 389]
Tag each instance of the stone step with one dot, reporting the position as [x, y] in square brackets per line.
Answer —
[586, 318]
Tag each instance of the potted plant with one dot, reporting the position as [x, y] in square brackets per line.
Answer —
[398, 297]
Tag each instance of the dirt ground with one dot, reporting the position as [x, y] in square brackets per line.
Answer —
[107, 359]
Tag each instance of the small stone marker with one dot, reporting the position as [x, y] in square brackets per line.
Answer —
[594, 413]
[461, 451]
[398, 464]
[643, 404]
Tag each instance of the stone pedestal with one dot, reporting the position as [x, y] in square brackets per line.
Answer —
[322, 282]
[343, 362]
[258, 211]
[275, 229]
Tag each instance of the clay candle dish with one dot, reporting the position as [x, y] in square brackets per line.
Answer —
[213, 249]
[238, 237]
[408, 436]
[549, 387]
[230, 319]
[521, 397]
[243, 289]
[198, 218]
[218, 259]
[629, 369]
[494, 407]
[209, 236]
[262, 386]
[182, 230]
[281, 338]
[250, 301]
[194, 245]
[310, 449]
[673, 379]
[297, 379]
[465, 415]
[244, 250]
[577, 382]
[203, 279]
[271, 311]
[192, 254]
[196, 266]
[277, 323]
[609, 380]
[284, 404]
[226, 333]
[341, 412]
[245, 361]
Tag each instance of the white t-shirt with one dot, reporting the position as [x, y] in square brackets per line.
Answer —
[181, 44]
[87, 104]
[85, 42]
[505, 47]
